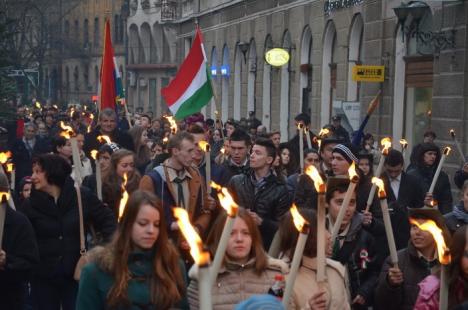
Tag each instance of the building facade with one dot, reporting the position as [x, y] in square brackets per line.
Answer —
[71, 69]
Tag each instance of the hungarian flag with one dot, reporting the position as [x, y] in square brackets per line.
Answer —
[191, 89]
[110, 86]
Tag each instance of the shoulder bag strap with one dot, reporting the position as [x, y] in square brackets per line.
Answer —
[80, 214]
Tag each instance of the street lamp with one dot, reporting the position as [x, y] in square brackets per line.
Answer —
[417, 9]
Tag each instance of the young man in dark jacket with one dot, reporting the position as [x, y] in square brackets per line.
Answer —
[239, 148]
[354, 246]
[261, 191]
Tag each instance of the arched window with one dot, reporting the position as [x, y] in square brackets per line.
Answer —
[225, 72]
[354, 55]
[134, 44]
[96, 32]
[305, 71]
[266, 87]
[96, 79]
[145, 43]
[85, 32]
[238, 59]
[328, 72]
[284, 91]
[76, 79]
[76, 31]
[66, 30]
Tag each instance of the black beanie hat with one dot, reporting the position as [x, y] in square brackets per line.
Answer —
[348, 151]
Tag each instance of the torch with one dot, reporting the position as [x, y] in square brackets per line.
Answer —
[387, 144]
[457, 143]
[4, 198]
[303, 227]
[313, 173]
[4, 156]
[445, 153]
[104, 139]
[404, 145]
[307, 132]
[68, 133]
[98, 174]
[124, 199]
[443, 254]
[219, 120]
[206, 148]
[386, 218]
[201, 257]
[173, 124]
[11, 170]
[300, 127]
[354, 179]
[231, 208]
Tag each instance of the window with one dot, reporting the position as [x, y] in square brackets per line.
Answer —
[96, 32]
[85, 32]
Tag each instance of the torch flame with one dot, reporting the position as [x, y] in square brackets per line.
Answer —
[10, 167]
[4, 195]
[353, 176]
[300, 126]
[387, 144]
[173, 124]
[4, 156]
[380, 185]
[436, 232]
[227, 202]
[94, 154]
[165, 140]
[216, 186]
[204, 145]
[55, 106]
[91, 116]
[104, 139]
[223, 150]
[72, 110]
[313, 173]
[323, 132]
[299, 221]
[452, 133]
[124, 199]
[403, 143]
[447, 150]
[67, 130]
[38, 105]
[196, 246]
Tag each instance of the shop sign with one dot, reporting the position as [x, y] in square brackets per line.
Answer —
[362, 73]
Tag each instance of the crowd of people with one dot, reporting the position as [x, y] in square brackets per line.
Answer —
[65, 248]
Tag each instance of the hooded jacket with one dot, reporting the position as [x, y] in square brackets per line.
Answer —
[442, 192]
[457, 218]
[236, 282]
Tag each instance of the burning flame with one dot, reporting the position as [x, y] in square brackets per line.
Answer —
[299, 221]
[403, 143]
[104, 139]
[434, 203]
[452, 133]
[67, 130]
[387, 144]
[38, 105]
[323, 132]
[300, 126]
[313, 173]
[4, 195]
[190, 234]
[10, 167]
[173, 124]
[55, 106]
[204, 145]
[165, 140]
[216, 186]
[124, 199]
[94, 154]
[71, 111]
[227, 202]
[447, 150]
[89, 128]
[380, 184]
[436, 232]
[222, 150]
[4, 156]
[353, 176]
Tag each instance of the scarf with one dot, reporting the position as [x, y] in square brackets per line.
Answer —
[460, 213]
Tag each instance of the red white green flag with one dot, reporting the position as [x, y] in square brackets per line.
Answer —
[191, 89]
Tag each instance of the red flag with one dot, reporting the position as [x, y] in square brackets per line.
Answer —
[107, 93]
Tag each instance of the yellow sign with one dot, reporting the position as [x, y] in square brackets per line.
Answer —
[368, 73]
[277, 57]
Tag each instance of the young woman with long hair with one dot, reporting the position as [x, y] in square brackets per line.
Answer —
[139, 135]
[122, 163]
[246, 269]
[140, 268]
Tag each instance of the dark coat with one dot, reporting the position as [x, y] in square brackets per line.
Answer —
[304, 195]
[341, 133]
[457, 218]
[293, 146]
[270, 201]
[410, 194]
[232, 170]
[358, 253]
[403, 296]
[19, 244]
[120, 137]
[460, 177]
[22, 158]
[57, 227]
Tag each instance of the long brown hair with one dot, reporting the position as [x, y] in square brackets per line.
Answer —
[167, 284]
[257, 251]
[289, 234]
[142, 152]
[458, 285]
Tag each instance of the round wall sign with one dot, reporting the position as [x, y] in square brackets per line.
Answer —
[277, 57]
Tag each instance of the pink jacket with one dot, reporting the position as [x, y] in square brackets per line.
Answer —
[428, 297]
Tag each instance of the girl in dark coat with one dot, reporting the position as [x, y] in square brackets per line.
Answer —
[53, 212]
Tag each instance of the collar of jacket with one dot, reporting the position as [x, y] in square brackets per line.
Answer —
[271, 178]
[355, 227]
[67, 199]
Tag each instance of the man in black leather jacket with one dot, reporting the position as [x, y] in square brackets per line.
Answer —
[261, 191]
